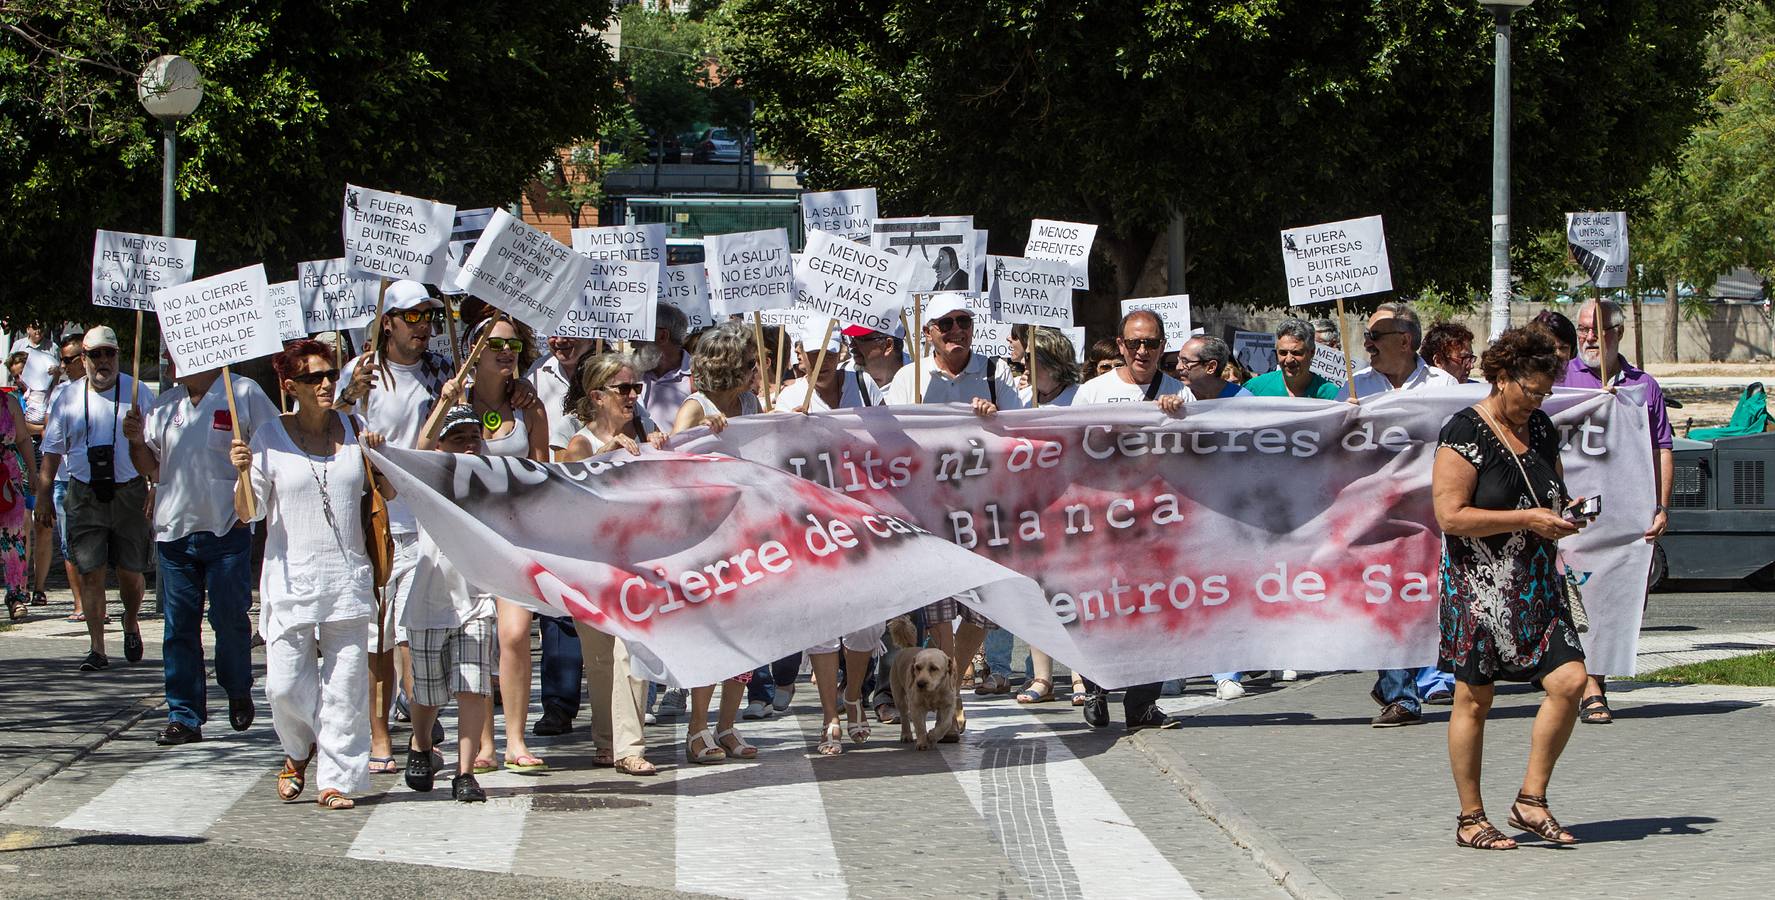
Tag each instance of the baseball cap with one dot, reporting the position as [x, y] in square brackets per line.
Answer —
[406, 294]
[812, 329]
[99, 336]
[945, 303]
[898, 331]
[459, 416]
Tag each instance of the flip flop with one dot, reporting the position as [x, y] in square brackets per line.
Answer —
[76, 617]
[526, 763]
[383, 765]
[484, 766]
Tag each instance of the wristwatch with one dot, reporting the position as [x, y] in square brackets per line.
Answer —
[1660, 508]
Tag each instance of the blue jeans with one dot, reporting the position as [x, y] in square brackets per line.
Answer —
[997, 650]
[219, 567]
[1432, 681]
[762, 688]
[1399, 686]
[1234, 677]
[563, 669]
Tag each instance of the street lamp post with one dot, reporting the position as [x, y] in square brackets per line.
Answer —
[1500, 165]
[169, 89]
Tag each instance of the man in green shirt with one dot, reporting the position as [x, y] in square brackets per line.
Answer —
[1293, 375]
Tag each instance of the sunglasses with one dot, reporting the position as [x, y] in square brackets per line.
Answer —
[515, 345]
[1143, 343]
[101, 353]
[950, 323]
[317, 377]
[69, 360]
[415, 316]
[1377, 335]
[624, 387]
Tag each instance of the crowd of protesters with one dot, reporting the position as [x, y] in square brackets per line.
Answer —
[123, 480]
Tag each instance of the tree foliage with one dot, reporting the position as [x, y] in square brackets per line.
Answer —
[453, 100]
[1247, 116]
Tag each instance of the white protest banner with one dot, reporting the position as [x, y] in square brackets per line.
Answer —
[519, 269]
[686, 289]
[618, 302]
[854, 284]
[1030, 291]
[332, 299]
[286, 304]
[1598, 243]
[1335, 260]
[641, 243]
[1255, 351]
[1069, 242]
[1328, 363]
[218, 321]
[465, 230]
[944, 247]
[128, 268]
[847, 214]
[1173, 312]
[37, 365]
[394, 236]
[750, 271]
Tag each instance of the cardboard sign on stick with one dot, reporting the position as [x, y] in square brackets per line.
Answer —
[1173, 312]
[686, 289]
[1336, 260]
[526, 273]
[128, 268]
[1598, 242]
[846, 214]
[854, 284]
[640, 243]
[750, 271]
[617, 302]
[1069, 242]
[286, 304]
[944, 247]
[394, 236]
[218, 321]
[1030, 291]
[332, 298]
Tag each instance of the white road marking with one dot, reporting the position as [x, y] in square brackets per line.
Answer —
[178, 792]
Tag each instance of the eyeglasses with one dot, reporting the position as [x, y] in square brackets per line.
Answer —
[624, 387]
[415, 316]
[101, 353]
[951, 323]
[1151, 343]
[1465, 358]
[1373, 335]
[515, 345]
[69, 360]
[1184, 362]
[1537, 396]
[1590, 330]
[316, 377]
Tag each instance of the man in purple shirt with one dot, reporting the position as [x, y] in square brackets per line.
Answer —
[1596, 344]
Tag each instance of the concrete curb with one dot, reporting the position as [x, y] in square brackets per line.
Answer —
[1289, 871]
[47, 767]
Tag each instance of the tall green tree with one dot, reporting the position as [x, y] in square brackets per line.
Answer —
[448, 99]
[1248, 117]
[664, 68]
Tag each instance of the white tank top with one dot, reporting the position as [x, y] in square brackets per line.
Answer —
[748, 404]
[515, 443]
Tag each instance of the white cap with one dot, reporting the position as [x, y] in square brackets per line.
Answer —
[99, 336]
[945, 303]
[812, 328]
[407, 294]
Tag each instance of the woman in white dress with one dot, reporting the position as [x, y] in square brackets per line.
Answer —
[307, 477]
[725, 370]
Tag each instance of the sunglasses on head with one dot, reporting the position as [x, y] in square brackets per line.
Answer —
[515, 345]
[1151, 343]
[101, 353]
[950, 323]
[316, 377]
[415, 316]
[624, 387]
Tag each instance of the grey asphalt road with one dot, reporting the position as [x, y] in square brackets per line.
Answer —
[1707, 611]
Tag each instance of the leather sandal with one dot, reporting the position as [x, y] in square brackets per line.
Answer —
[635, 765]
[1548, 828]
[1486, 838]
[708, 753]
[858, 727]
[735, 746]
[1594, 710]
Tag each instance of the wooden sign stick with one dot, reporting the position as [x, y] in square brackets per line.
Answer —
[1343, 337]
[234, 418]
[818, 361]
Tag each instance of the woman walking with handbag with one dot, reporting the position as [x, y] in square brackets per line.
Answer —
[308, 479]
[1498, 488]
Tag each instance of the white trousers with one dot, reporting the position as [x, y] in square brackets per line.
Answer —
[323, 702]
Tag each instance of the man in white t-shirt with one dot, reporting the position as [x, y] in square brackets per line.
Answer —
[205, 551]
[107, 498]
[394, 396]
[1392, 341]
[1141, 340]
[552, 378]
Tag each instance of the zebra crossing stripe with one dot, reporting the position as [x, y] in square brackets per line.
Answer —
[177, 794]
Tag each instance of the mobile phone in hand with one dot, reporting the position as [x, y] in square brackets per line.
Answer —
[1584, 509]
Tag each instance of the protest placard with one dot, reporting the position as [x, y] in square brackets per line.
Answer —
[286, 304]
[218, 321]
[847, 214]
[1030, 291]
[128, 268]
[855, 284]
[641, 243]
[523, 271]
[1069, 242]
[464, 232]
[617, 302]
[749, 271]
[686, 289]
[1336, 260]
[332, 298]
[1328, 363]
[1173, 312]
[1077, 337]
[943, 246]
[1598, 243]
[394, 236]
[980, 257]
[1255, 351]
[37, 365]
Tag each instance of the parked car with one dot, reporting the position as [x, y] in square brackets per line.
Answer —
[719, 145]
[674, 149]
[1722, 511]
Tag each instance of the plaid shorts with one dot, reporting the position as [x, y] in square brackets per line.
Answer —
[451, 661]
[945, 610]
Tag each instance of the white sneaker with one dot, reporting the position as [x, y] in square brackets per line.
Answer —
[784, 694]
[1229, 690]
[671, 704]
[758, 709]
[650, 719]
[1286, 675]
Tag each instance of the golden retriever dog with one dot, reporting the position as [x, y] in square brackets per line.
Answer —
[924, 682]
